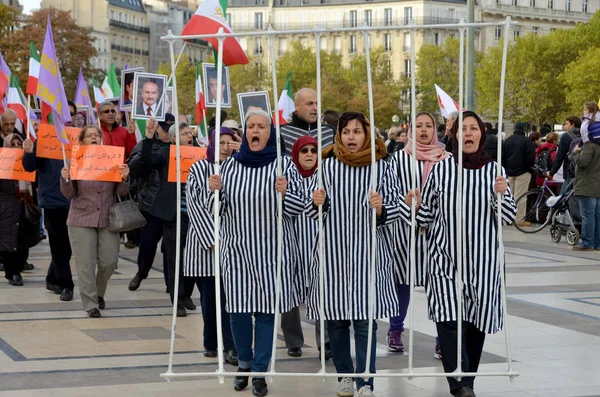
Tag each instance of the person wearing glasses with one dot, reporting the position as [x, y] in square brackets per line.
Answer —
[112, 133]
[95, 248]
[347, 200]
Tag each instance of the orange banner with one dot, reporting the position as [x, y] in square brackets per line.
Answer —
[189, 155]
[48, 145]
[11, 165]
[97, 163]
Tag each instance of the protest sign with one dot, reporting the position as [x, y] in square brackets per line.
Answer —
[11, 165]
[48, 144]
[189, 155]
[97, 163]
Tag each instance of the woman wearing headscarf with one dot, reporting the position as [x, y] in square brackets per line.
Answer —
[248, 202]
[17, 234]
[199, 267]
[348, 201]
[481, 296]
[429, 151]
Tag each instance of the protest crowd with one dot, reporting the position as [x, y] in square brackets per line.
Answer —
[116, 160]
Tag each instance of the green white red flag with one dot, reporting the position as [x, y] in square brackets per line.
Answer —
[34, 70]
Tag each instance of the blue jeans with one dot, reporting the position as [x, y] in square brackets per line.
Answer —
[397, 323]
[241, 329]
[339, 338]
[590, 223]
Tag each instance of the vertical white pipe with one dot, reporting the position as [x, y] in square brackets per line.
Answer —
[279, 207]
[459, 204]
[373, 211]
[320, 234]
[499, 198]
[217, 220]
[173, 70]
[29, 111]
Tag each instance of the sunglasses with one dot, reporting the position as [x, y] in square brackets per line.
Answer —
[73, 114]
[305, 150]
[109, 111]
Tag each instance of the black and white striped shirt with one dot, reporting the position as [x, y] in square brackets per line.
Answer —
[482, 304]
[249, 236]
[347, 243]
[290, 134]
[306, 229]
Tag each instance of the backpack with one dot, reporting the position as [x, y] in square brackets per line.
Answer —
[543, 162]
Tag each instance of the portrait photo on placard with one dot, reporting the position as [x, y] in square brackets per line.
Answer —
[209, 74]
[147, 92]
[82, 117]
[126, 97]
[253, 100]
[169, 100]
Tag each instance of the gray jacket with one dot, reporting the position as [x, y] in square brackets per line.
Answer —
[587, 174]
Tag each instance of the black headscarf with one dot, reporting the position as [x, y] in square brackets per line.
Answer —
[473, 161]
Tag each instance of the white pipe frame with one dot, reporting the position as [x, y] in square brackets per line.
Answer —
[507, 23]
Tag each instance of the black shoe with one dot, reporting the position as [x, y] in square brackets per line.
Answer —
[231, 357]
[259, 387]
[295, 352]
[129, 244]
[42, 236]
[464, 391]
[94, 313]
[211, 353]
[27, 267]
[327, 352]
[188, 303]
[101, 303]
[135, 282]
[241, 382]
[67, 295]
[16, 280]
[53, 288]
[181, 311]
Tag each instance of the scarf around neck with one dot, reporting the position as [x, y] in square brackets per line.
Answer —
[358, 159]
[251, 159]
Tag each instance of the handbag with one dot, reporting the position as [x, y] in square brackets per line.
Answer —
[32, 213]
[124, 216]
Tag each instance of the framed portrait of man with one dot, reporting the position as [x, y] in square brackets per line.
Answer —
[148, 90]
[253, 100]
[209, 73]
[126, 97]
[82, 117]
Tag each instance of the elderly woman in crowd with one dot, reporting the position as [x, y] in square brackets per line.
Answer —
[95, 248]
[348, 200]
[482, 310]
[249, 188]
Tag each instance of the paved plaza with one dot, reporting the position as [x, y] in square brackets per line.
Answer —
[51, 348]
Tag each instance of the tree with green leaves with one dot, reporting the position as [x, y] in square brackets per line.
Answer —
[186, 84]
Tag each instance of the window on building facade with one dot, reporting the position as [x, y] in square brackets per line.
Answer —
[228, 16]
[407, 67]
[407, 15]
[323, 41]
[568, 5]
[551, 4]
[584, 6]
[258, 20]
[283, 2]
[387, 42]
[259, 2]
[352, 44]
[387, 17]
[369, 17]
[436, 38]
[353, 19]
[535, 30]
[498, 33]
[282, 46]
[111, 14]
[337, 44]
[406, 43]
[515, 2]
[258, 45]
[531, 3]
[517, 33]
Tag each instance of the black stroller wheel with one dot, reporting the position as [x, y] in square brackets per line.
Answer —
[555, 235]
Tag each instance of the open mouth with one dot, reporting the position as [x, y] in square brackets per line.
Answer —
[469, 142]
[424, 136]
[352, 146]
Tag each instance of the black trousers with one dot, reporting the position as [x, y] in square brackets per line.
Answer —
[150, 234]
[472, 347]
[14, 261]
[169, 240]
[59, 272]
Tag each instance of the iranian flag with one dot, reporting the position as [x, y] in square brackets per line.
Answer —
[98, 96]
[208, 19]
[285, 107]
[15, 99]
[447, 104]
[34, 70]
[200, 107]
[111, 88]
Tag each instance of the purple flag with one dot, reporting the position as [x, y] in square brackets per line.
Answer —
[50, 88]
[4, 67]
[82, 96]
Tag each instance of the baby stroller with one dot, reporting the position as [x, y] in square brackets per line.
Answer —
[566, 217]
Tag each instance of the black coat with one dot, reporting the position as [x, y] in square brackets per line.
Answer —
[491, 146]
[518, 154]
[15, 231]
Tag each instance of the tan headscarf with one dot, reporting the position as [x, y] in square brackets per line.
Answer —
[359, 159]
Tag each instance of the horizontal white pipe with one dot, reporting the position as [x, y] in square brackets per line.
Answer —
[336, 375]
[317, 29]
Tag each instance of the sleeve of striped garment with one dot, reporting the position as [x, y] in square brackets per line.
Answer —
[294, 202]
[312, 210]
[210, 201]
[390, 193]
[197, 194]
[509, 207]
[429, 197]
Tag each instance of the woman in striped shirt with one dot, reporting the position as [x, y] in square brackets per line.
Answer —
[482, 310]
[248, 197]
[348, 200]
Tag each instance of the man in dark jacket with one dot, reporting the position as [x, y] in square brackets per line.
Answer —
[518, 158]
[571, 126]
[491, 141]
[56, 210]
[304, 122]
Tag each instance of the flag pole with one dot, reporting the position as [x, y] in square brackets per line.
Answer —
[204, 122]
[28, 118]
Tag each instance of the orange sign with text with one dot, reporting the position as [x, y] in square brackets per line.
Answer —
[189, 155]
[48, 145]
[97, 163]
[11, 165]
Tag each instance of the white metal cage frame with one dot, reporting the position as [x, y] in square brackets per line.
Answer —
[409, 372]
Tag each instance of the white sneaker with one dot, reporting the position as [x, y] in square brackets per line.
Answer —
[346, 388]
[365, 391]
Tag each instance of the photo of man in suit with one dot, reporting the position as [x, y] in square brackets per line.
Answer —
[148, 90]
[211, 86]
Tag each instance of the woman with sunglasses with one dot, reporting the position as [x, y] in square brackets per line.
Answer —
[437, 210]
[348, 200]
[95, 248]
[248, 187]
[17, 233]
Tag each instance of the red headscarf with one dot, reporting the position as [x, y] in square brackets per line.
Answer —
[298, 145]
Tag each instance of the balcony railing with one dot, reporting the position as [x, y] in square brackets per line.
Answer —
[129, 50]
[127, 26]
[538, 12]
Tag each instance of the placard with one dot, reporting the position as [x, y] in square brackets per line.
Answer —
[97, 163]
[189, 155]
[48, 145]
[11, 165]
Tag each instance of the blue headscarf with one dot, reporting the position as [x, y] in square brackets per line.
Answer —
[210, 151]
[261, 158]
